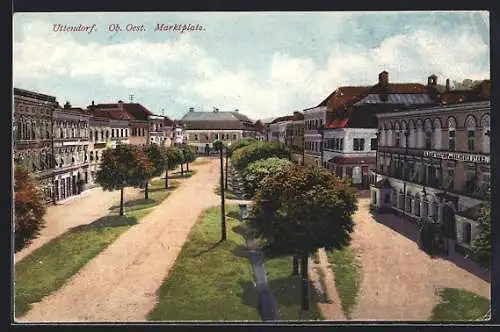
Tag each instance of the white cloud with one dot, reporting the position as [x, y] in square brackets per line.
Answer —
[194, 77]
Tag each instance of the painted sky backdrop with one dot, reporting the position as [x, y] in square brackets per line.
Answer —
[264, 64]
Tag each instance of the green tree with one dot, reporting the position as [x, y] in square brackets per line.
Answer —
[190, 156]
[174, 158]
[258, 150]
[242, 143]
[257, 171]
[124, 166]
[301, 209]
[482, 241]
[29, 208]
[157, 156]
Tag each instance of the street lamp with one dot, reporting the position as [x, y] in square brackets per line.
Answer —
[322, 132]
[183, 158]
[219, 145]
[376, 155]
[228, 152]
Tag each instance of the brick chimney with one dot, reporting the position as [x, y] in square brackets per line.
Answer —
[67, 105]
[383, 82]
[120, 104]
[432, 81]
[448, 84]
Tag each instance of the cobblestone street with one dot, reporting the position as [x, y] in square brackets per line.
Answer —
[400, 281]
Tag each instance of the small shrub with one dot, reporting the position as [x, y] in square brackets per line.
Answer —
[242, 157]
[29, 209]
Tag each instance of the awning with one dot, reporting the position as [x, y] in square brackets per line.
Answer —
[352, 160]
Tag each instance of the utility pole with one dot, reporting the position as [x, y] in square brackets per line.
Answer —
[131, 98]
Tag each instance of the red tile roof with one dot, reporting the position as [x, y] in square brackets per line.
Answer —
[167, 121]
[345, 96]
[137, 111]
[337, 124]
[480, 92]
[112, 114]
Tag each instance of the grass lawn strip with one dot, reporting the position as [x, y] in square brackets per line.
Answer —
[460, 305]
[210, 280]
[287, 290]
[228, 193]
[347, 277]
[50, 266]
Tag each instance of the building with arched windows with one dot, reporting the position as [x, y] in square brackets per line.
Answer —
[435, 163]
[32, 136]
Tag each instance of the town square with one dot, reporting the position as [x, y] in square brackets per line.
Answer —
[186, 178]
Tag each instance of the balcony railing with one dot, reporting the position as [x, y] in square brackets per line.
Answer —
[470, 188]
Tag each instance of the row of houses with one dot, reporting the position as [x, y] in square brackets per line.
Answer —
[422, 150]
[63, 145]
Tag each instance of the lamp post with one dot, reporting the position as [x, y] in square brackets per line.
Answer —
[322, 150]
[183, 158]
[220, 146]
[227, 162]
[376, 155]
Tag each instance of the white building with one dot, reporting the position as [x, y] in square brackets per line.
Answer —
[349, 152]
[314, 121]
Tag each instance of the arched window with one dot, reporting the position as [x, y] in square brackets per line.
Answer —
[452, 126]
[470, 126]
[102, 135]
[107, 134]
[404, 129]
[420, 137]
[416, 209]
[485, 124]
[397, 132]
[428, 134]
[112, 133]
[408, 202]
[437, 134]
[96, 135]
[412, 134]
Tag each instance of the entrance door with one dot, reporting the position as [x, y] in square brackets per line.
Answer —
[68, 187]
[63, 189]
[366, 180]
[73, 185]
[56, 190]
[449, 222]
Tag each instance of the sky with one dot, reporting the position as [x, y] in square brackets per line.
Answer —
[265, 64]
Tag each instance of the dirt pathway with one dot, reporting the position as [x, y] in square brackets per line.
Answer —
[330, 311]
[399, 281]
[120, 284]
[78, 210]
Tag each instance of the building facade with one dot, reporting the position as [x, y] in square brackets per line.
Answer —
[156, 131]
[435, 163]
[314, 122]
[350, 152]
[99, 140]
[71, 151]
[32, 136]
[204, 128]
